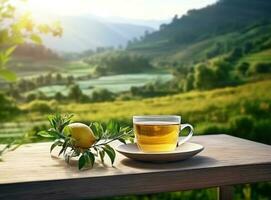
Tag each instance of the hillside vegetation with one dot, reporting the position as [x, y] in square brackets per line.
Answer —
[243, 111]
[223, 17]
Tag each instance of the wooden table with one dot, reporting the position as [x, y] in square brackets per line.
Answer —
[31, 173]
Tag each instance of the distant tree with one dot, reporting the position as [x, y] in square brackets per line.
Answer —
[221, 73]
[146, 33]
[175, 18]
[100, 70]
[100, 95]
[22, 85]
[75, 93]
[14, 92]
[189, 82]
[180, 70]
[40, 80]
[70, 80]
[59, 96]
[48, 79]
[243, 68]
[204, 77]
[261, 68]
[8, 107]
[120, 63]
[217, 49]
[31, 84]
[135, 90]
[31, 97]
[41, 95]
[58, 78]
[235, 54]
[162, 27]
[150, 88]
[248, 47]
[35, 51]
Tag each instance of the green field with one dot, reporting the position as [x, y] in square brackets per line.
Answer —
[113, 83]
[210, 110]
[260, 57]
[28, 67]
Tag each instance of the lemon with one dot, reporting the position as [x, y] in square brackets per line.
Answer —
[82, 134]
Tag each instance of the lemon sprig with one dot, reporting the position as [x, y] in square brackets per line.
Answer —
[104, 135]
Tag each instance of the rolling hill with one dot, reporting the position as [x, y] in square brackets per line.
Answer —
[88, 32]
[208, 32]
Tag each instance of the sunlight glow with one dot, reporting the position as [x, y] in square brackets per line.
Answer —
[131, 9]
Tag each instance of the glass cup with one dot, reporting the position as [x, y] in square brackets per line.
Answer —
[159, 133]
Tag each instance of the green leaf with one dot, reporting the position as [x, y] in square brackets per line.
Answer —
[89, 157]
[36, 38]
[102, 154]
[81, 162]
[55, 133]
[50, 118]
[97, 129]
[8, 75]
[45, 134]
[64, 147]
[64, 124]
[56, 143]
[122, 140]
[110, 152]
[113, 128]
[125, 129]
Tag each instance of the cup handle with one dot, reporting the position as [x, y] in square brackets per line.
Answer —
[183, 126]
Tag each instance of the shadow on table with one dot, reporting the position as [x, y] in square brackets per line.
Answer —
[195, 162]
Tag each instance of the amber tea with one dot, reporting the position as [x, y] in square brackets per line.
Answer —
[156, 136]
[159, 133]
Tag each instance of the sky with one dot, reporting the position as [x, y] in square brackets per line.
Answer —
[129, 9]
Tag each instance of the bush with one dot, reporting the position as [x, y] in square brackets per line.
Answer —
[262, 131]
[258, 109]
[119, 63]
[214, 129]
[261, 68]
[76, 94]
[204, 77]
[31, 97]
[243, 68]
[42, 106]
[8, 108]
[242, 126]
[100, 95]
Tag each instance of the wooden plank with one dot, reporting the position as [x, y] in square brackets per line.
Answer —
[32, 173]
[135, 184]
[225, 192]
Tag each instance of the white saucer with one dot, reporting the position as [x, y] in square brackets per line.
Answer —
[182, 152]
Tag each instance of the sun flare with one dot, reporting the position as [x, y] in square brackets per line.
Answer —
[135, 9]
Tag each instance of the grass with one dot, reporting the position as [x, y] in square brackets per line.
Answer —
[260, 57]
[193, 106]
[202, 109]
[28, 67]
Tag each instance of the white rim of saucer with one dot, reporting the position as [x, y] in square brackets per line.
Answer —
[157, 153]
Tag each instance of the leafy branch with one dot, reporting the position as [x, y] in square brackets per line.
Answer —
[104, 135]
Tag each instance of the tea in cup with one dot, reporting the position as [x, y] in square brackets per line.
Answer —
[159, 133]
